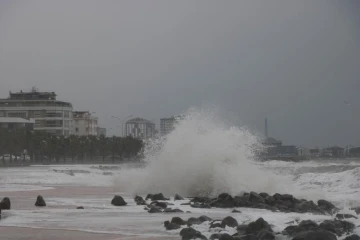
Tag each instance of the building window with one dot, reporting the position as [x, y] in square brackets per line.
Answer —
[76, 129]
[17, 114]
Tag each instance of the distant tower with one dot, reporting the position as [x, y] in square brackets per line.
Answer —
[266, 128]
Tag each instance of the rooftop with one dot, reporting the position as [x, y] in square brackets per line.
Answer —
[14, 120]
[139, 120]
[32, 95]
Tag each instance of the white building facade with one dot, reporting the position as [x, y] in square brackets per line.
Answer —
[140, 128]
[168, 124]
[84, 124]
[50, 115]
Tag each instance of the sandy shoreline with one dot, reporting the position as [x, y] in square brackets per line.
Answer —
[22, 233]
[24, 200]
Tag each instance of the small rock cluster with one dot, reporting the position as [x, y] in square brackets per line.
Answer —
[261, 229]
[326, 230]
[277, 202]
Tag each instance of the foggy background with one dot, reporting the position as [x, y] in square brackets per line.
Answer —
[294, 62]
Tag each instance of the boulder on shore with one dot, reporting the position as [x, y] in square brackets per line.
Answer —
[178, 197]
[315, 235]
[171, 226]
[40, 202]
[118, 201]
[139, 200]
[352, 237]
[81, 207]
[190, 233]
[5, 203]
[178, 220]
[229, 221]
[154, 209]
[257, 226]
[157, 197]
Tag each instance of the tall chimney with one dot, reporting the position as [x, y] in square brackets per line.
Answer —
[266, 128]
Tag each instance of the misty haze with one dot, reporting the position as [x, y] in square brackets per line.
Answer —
[179, 120]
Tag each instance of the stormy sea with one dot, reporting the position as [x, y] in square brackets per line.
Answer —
[210, 167]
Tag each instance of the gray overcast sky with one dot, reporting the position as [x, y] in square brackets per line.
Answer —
[295, 62]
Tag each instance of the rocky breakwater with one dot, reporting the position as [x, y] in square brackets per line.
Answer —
[262, 230]
[276, 202]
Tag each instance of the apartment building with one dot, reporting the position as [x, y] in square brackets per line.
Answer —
[50, 115]
[84, 124]
[140, 128]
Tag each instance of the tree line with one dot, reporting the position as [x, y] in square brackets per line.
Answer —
[41, 146]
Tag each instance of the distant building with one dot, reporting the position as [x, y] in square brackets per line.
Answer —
[305, 152]
[354, 152]
[50, 115]
[315, 153]
[335, 152]
[168, 124]
[140, 128]
[84, 124]
[283, 151]
[101, 132]
[13, 123]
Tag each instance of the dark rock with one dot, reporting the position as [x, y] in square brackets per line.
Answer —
[223, 196]
[337, 226]
[178, 197]
[235, 211]
[200, 199]
[155, 210]
[241, 229]
[178, 220]
[176, 210]
[226, 236]
[308, 224]
[315, 235]
[190, 233]
[257, 226]
[256, 198]
[352, 237]
[264, 195]
[290, 230]
[265, 235]
[345, 216]
[40, 202]
[327, 206]
[149, 196]
[118, 201]
[159, 204]
[277, 196]
[157, 197]
[171, 226]
[193, 221]
[305, 225]
[224, 200]
[81, 207]
[308, 206]
[5, 203]
[229, 221]
[242, 201]
[270, 200]
[287, 197]
[139, 200]
[204, 218]
[215, 236]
